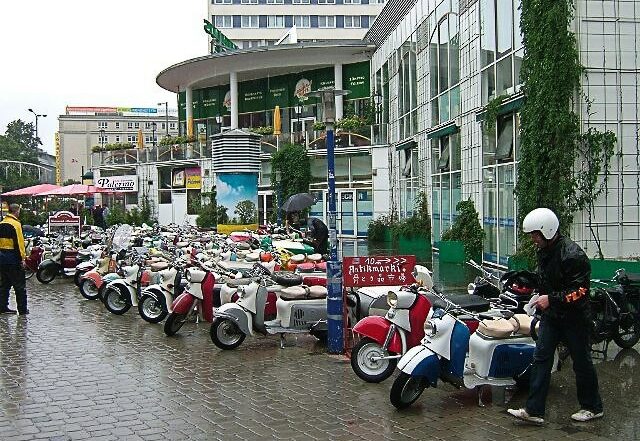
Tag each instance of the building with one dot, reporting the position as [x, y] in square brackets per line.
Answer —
[436, 67]
[82, 129]
[250, 23]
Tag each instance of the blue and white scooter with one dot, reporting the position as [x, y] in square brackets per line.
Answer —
[499, 353]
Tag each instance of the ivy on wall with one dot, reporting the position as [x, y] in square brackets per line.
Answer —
[551, 143]
[290, 172]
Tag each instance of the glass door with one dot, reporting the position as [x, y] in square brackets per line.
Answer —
[346, 213]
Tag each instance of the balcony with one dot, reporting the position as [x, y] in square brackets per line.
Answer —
[316, 139]
[177, 152]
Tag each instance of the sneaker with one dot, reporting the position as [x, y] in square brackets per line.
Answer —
[584, 415]
[8, 311]
[523, 415]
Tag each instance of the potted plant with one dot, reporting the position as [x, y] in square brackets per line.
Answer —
[379, 230]
[463, 241]
[413, 234]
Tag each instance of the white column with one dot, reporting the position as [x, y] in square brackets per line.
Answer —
[233, 83]
[337, 79]
[189, 108]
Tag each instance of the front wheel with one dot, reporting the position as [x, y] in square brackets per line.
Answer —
[88, 289]
[628, 338]
[406, 390]
[116, 300]
[174, 323]
[364, 364]
[46, 274]
[225, 334]
[151, 310]
[28, 273]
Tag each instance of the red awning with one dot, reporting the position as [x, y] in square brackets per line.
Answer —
[33, 190]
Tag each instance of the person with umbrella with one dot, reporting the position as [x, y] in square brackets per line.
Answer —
[318, 234]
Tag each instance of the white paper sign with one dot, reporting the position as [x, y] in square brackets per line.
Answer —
[118, 183]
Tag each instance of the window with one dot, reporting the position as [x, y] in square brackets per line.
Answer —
[351, 2]
[102, 124]
[172, 125]
[275, 2]
[117, 138]
[302, 21]
[223, 21]
[249, 21]
[103, 139]
[275, 21]
[147, 125]
[222, 2]
[129, 125]
[249, 2]
[132, 139]
[351, 21]
[326, 2]
[117, 125]
[136, 125]
[300, 2]
[326, 21]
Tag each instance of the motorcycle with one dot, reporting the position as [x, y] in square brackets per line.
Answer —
[94, 253]
[300, 309]
[62, 263]
[499, 354]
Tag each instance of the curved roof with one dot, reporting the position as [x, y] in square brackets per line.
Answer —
[261, 62]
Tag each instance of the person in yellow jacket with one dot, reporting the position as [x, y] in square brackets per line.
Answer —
[12, 255]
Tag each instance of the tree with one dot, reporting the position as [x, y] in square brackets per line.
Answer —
[290, 172]
[19, 143]
[70, 181]
[246, 211]
[222, 216]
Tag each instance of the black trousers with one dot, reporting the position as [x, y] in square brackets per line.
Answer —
[13, 276]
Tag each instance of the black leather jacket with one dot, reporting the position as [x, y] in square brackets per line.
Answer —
[565, 273]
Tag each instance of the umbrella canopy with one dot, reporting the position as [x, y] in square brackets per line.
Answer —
[30, 191]
[70, 190]
[298, 201]
[277, 121]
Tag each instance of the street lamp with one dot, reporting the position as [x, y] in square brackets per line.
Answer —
[335, 308]
[166, 114]
[153, 132]
[102, 139]
[37, 116]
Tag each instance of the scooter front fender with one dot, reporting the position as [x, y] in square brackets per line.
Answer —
[93, 275]
[421, 361]
[183, 303]
[159, 295]
[49, 263]
[122, 285]
[237, 315]
[377, 329]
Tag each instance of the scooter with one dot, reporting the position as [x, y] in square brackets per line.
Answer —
[300, 309]
[34, 258]
[92, 281]
[123, 293]
[156, 300]
[94, 253]
[385, 339]
[499, 354]
[62, 263]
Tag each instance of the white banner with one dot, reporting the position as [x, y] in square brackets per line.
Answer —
[118, 183]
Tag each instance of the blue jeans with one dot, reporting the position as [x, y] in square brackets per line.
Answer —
[574, 332]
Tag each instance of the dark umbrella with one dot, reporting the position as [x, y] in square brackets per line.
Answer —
[298, 201]
[29, 230]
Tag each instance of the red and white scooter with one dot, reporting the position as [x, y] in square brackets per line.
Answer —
[156, 300]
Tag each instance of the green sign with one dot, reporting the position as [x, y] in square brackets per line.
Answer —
[278, 92]
[182, 106]
[251, 95]
[355, 79]
[222, 42]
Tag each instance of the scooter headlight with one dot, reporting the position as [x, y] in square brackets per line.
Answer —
[430, 328]
[188, 276]
[471, 288]
[392, 299]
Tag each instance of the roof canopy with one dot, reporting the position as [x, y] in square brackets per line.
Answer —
[33, 190]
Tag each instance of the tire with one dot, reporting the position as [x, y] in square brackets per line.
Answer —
[116, 300]
[367, 369]
[287, 278]
[28, 273]
[174, 323]
[151, 310]
[76, 278]
[628, 338]
[88, 289]
[406, 390]
[225, 334]
[46, 274]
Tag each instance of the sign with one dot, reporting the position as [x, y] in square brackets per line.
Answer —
[118, 183]
[178, 178]
[193, 178]
[64, 219]
[222, 43]
[377, 270]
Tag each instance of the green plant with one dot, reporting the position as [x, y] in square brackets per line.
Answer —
[492, 110]
[262, 130]
[318, 126]
[117, 215]
[208, 211]
[467, 229]
[350, 123]
[417, 225]
[290, 172]
[377, 228]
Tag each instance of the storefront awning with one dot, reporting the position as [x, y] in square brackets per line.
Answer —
[439, 132]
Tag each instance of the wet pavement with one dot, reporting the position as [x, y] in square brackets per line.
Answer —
[72, 370]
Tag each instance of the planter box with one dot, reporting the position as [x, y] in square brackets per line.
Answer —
[606, 269]
[451, 251]
[418, 245]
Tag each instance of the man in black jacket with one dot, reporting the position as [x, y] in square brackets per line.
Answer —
[564, 272]
[319, 234]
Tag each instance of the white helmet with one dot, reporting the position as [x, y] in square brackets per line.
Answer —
[543, 220]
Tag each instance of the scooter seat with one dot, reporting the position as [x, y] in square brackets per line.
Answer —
[252, 257]
[159, 266]
[470, 302]
[297, 258]
[524, 323]
[301, 292]
[182, 244]
[500, 328]
[243, 246]
[234, 283]
[152, 260]
[315, 257]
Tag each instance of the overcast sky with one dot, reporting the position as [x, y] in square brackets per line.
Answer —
[91, 53]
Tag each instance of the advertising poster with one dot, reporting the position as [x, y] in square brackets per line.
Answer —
[193, 179]
[237, 198]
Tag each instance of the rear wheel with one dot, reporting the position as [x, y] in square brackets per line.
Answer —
[365, 365]
[46, 274]
[88, 289]
[629, 328]
[174, 323]
[28, 273]
[406, 390]
[225, 334]
[116, 300]
[151, 310]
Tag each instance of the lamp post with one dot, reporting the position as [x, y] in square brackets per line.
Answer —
[153, 132]
[37, 116]
[335, 306]
[166, 115]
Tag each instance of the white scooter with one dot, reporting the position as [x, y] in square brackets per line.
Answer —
[122, 294]
[155, 300]
[300, 309]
